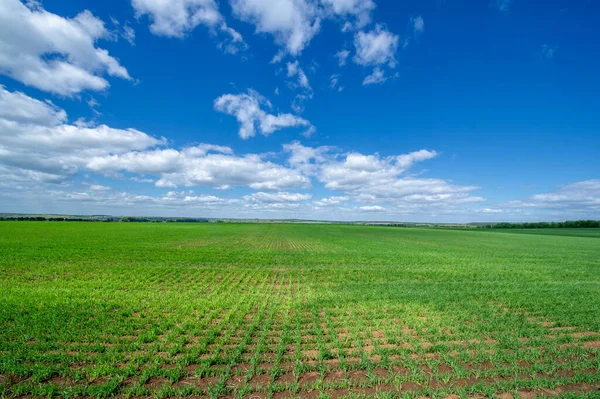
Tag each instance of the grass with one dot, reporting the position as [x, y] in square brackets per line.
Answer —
[251, 310]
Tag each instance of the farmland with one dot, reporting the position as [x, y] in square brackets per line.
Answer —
[277, 311]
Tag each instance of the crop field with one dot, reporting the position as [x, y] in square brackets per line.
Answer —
[310, 311]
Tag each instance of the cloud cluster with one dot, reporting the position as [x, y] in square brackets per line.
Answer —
[177, 18]
[376, 179]
[53, 53]
[583, 197]
[292, 23]
[247, 108]
[193, 166]
[37, 141]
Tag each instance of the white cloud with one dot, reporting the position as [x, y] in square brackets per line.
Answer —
[293, 23]
[278, 197]
[359, 9]
[377, 77]
[193, 166]
[98, 187]
[36, 144]
[294, 71]
[35, 137]
[307, 159]
[177, 18]
[246, 108]
[342, 56]
[53, 53]
[377, 179]
[376, 47]
[373, 208]
[583, 197]
[357, 171]
[331, 201]
[19, 108]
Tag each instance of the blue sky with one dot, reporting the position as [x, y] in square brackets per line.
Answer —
[450, 111]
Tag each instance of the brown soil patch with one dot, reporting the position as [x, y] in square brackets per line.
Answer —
[282, 395]
[592, 344]
[156, 382]
[380, 372]
[129, 381]
[444, 368]
[288, 378]
[401, 370]
[260, 381]
[338, 393]
[257, 395]
[410, 386]
[584, 334]
[308, 379]
[206, 382]
[527, 394]
[358, 376]
[59, 380]
[100, 381]
[236, 381]
[336, 376]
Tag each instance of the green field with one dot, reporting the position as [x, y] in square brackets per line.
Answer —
[282, 310]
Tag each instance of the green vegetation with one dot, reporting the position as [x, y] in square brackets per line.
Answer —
[282, 310]
[569, 224]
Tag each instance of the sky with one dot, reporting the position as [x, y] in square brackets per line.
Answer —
[396, 110]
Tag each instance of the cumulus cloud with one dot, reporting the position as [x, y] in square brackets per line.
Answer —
[376, 47]
[16, 107]
[54, 53]
[292, 23]
[583, 196]
[377, 77]
[191, 167]
[279, 197]
[307, 159]
[376, 179]
[360, 10]
[330, 201]
[371, 208]
[37, 144]
[357, 170]
[247, 109]
[35, 137]
[98, 187]
[177, 18]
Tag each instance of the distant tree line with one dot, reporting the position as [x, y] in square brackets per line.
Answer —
[48, 219]
[569, 224]
[127, 219]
